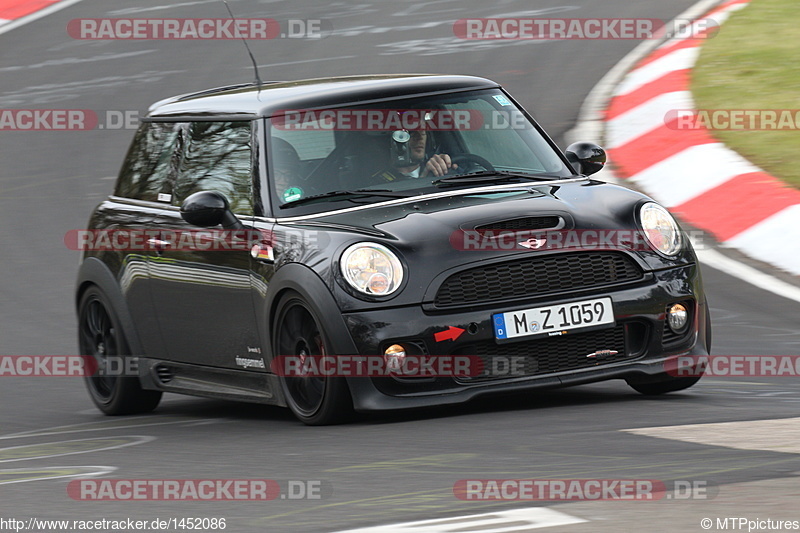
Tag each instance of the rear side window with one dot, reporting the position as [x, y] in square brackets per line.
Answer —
[217, 157]
[150, 165]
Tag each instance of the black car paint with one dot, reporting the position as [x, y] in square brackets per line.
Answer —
[162, 320]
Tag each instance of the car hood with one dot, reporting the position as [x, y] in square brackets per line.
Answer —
[436, 236]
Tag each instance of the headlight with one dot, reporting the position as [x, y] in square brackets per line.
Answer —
[372, 269]
[660, 228]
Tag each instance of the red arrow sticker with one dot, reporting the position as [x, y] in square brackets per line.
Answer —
[451, 334]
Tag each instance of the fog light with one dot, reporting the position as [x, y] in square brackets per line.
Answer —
[394, 351]
[678, 318]
[394, 356]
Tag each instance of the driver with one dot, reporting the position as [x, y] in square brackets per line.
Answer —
[407, 154]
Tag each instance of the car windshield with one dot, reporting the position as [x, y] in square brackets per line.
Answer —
[323, 159]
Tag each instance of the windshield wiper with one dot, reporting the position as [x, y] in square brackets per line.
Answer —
[492, 176]
[357, 193]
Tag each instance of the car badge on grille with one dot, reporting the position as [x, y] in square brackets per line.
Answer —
[533, 244]
[603, 353]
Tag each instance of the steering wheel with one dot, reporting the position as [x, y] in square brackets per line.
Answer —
[469, 162]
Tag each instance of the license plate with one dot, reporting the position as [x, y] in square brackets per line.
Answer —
[553, 319]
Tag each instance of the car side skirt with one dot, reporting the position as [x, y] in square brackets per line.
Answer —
[220, 383]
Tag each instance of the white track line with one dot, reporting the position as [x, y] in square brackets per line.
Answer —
[737, 269]
[514, 520]
[777, 435]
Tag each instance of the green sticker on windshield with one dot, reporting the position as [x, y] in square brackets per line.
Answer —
[292, 193]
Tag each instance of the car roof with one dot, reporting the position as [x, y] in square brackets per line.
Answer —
[271, 98]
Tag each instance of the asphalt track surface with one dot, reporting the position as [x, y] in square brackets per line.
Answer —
[380, 469]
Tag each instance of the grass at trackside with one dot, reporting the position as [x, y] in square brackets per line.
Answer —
[754, 63]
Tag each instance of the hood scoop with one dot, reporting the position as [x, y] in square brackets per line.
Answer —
[525, 223]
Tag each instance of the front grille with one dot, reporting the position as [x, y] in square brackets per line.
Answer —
[547, 355]
[526, 223]
[537, 275]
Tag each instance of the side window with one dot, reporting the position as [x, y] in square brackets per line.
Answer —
[217, 157]
[150, 163]
[499, 143]
[506, 139]
[309, 145]
[295, 155]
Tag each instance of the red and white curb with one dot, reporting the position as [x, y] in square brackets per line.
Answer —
[16, 9]
[690, 172]
[15, 13]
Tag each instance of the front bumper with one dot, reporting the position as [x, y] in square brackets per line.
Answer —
[640, 336]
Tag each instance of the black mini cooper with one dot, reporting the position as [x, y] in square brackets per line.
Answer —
[375, 242]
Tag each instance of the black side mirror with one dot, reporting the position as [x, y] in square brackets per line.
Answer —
[586, 157]
[208, 209]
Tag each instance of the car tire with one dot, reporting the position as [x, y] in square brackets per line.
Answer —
[315, 401]
[100, 336]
